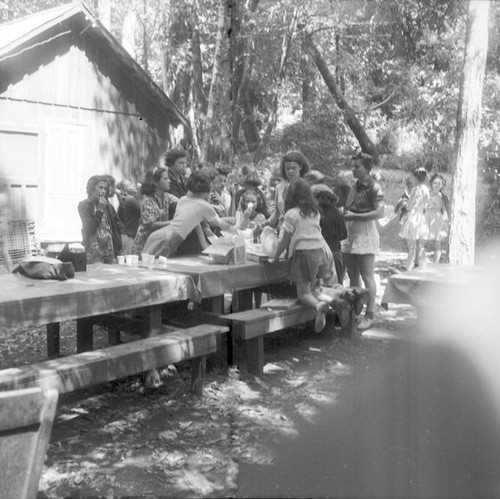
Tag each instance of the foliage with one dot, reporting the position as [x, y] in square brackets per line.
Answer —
[396, 61]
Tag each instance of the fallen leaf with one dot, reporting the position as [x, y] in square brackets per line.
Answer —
[168, 435]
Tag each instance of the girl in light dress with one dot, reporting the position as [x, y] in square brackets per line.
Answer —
[437, 214]
[415, 229]
[303, 241]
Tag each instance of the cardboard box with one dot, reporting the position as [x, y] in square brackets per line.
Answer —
[227, 250]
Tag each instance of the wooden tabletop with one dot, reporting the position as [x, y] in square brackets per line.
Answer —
[423, 287]
[214, 279]
[101, 289]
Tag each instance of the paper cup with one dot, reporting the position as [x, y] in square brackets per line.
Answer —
[121, 259]
[134, 259]
[151, 260]
[162, 260]
[145, 257]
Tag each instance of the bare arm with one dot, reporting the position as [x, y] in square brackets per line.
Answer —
[375, 214]
[283, 244]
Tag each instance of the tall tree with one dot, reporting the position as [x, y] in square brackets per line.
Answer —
[214, 84]
[463, 212]
[350, 117]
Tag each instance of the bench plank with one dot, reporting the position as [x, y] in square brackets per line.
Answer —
[108, 364]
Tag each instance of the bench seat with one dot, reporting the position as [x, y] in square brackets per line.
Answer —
[86, 369]
[252, 325]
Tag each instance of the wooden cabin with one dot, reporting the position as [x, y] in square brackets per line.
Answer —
[73, 103]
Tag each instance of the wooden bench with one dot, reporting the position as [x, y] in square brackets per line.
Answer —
[86, 369]
[252, 325]
[26, 419]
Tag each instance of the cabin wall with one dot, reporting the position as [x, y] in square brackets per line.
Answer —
[63, 118]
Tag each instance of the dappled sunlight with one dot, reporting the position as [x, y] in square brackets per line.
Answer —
[307, 411]
[269, 418]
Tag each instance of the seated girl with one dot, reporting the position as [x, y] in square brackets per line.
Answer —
[192, 211]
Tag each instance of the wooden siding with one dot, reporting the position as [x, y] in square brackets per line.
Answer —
[50, 96]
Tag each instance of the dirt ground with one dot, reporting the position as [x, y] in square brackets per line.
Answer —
[125, 440]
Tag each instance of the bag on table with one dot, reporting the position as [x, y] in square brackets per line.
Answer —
[44, 267]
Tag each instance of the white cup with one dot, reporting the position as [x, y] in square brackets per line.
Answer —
[151, 260]
[121, 259]
[162, 261]
[134, 259]
[145, 258]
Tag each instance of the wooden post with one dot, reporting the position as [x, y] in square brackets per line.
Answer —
[224, 356]
[84, 334]
[198, 369]
[255, 356]
[53, 337]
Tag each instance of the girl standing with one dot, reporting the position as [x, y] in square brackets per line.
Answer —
[301, 238]
[415, 227]
[437, 214]
[364, 205]
[157, 206]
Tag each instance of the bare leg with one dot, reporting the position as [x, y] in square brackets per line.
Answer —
[305, 296]
[412, 253]
[437, 251]
[351, 264]
[367, 269]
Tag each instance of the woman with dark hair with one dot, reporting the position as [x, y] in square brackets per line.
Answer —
[101, 242]
[157, 206]
[176, 164]
[364, 205]
[293, 167]
[191, 212]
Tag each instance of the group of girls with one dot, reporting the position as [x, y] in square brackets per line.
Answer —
[424, 216]
[310, 225]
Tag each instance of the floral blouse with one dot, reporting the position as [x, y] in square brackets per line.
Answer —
[153, 209]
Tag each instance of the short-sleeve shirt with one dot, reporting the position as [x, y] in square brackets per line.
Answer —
[306, 231]
[364, 197]
[189, 213]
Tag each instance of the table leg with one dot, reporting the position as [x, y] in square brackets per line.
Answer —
[152, 320]
[53, 337]
[255, 356]
[224, 355]
[198, 369]
[84, 334]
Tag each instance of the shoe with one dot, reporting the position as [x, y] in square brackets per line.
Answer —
[320, 321]
[364, 324]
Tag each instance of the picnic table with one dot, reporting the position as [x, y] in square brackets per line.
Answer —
[102, 289]
[429, 289]
[212, 280]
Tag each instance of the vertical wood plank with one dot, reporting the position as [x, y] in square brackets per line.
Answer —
[198, 369]
[53, 339]
[255, 356]
[84, 335]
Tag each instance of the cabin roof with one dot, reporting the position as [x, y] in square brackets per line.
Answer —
[16, 35]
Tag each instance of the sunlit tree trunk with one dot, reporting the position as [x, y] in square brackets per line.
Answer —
[463, 204]
[128, 32]
[214, 84]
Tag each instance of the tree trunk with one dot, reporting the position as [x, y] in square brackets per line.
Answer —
[128, 32]
[350, 117]
[145, 41]
[273, 114]
[463, 204]
[307, 77]
[197, 71]
[214, 84]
